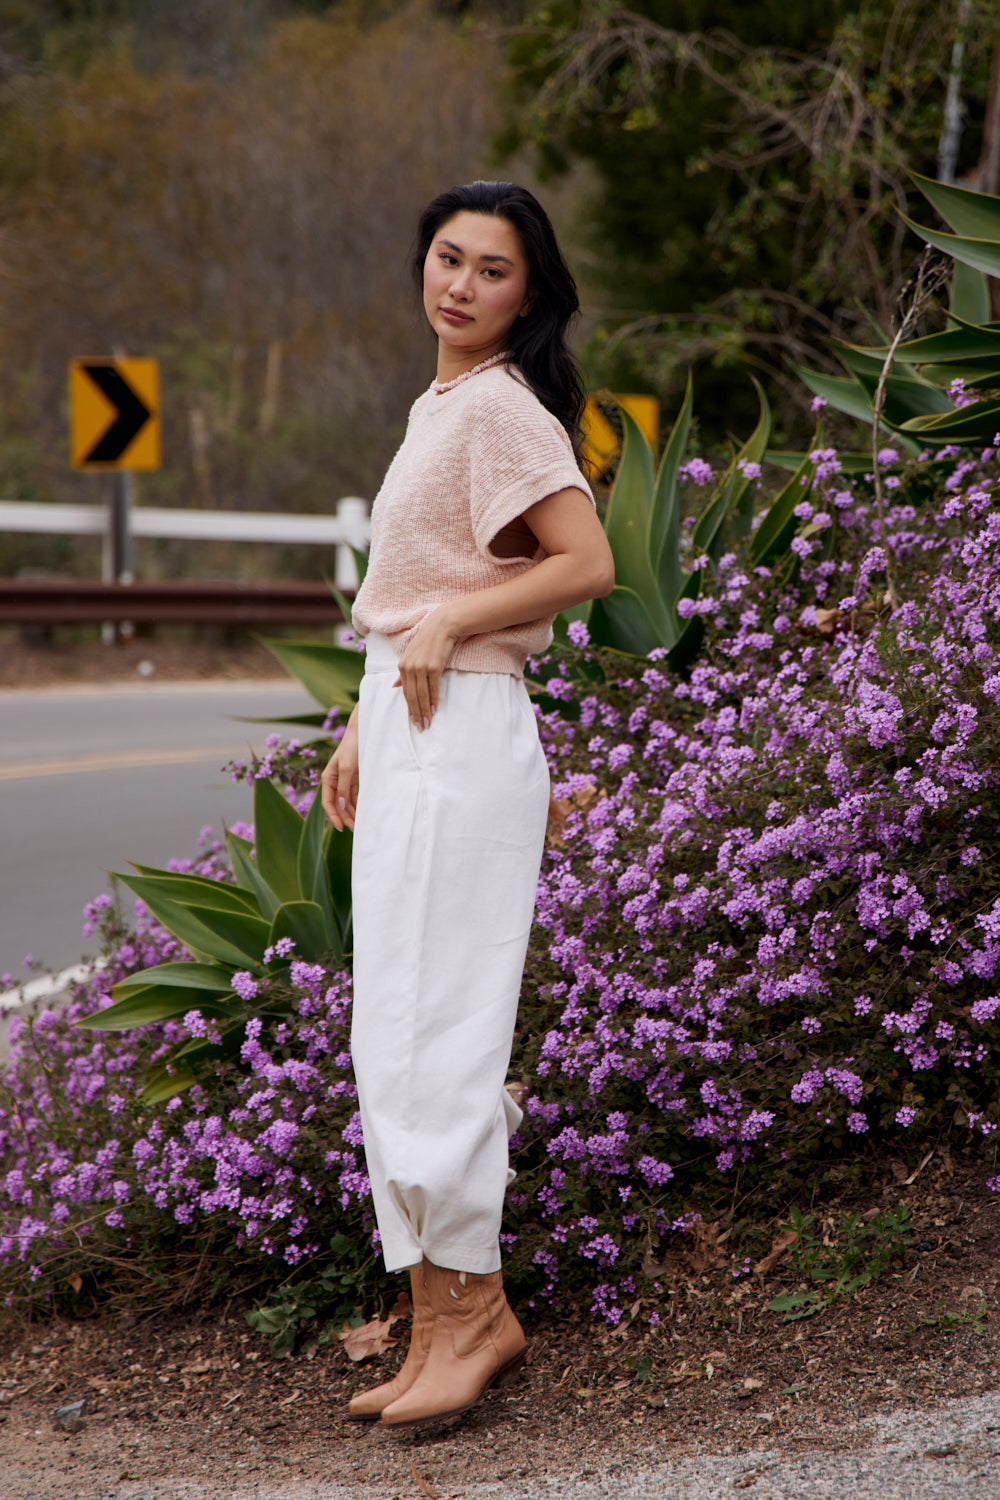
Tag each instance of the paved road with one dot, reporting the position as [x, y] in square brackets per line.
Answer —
[91, 778]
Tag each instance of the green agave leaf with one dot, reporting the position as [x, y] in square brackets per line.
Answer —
[775, 532]
[983, 376]
[968, 213]
[207, 977]
[163, 1085]
[314, 879]
[337, 858]
[311, 721]
[628, 522]
[955, 343]
[842, 394]
[664, 522]
[984, 255]
[278, 830]
[741, 500]
[213, 933]
[305, 924]
[686, 648]
[905, 398]
[859, 360]
[622, 621]
[850, 463]
[332, 674]
[709, 528]
[249, 877]
[360, 562]
[181, 887]
[157, 1002]
[977, 424]
[970, 295]
[560, 626]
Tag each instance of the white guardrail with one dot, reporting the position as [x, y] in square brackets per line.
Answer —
[348, 527]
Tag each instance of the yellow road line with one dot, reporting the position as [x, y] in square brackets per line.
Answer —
[113, 760]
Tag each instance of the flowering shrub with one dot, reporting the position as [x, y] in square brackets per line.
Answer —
[768, 938]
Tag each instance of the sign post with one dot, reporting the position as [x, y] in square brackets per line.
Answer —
[115, 426]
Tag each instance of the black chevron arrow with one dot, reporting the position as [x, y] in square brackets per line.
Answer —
[132, 414]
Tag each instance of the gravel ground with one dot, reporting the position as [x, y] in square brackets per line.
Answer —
[952, 1452]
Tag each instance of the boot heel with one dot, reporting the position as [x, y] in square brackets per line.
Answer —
[507, 1372]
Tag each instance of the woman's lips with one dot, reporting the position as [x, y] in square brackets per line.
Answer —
[452, 315]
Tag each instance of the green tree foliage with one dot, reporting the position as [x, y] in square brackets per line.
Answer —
[248, 226]
[746, 158]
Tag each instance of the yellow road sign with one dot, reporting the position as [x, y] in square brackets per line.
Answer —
[600, 442]
[114, 413]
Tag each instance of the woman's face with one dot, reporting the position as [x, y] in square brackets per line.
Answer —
[475, 284]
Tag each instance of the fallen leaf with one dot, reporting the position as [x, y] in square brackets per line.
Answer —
[826, 620]
[780, 1247]
[706, 1252]
[75, 1280]
[751, 1383]
[971, 1291]
[373, 1337]
[424, 1485]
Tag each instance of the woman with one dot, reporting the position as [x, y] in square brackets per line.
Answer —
[484, 529]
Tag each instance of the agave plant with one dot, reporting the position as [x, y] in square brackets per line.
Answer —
[294, 885]
[920, 398]
[642, 612]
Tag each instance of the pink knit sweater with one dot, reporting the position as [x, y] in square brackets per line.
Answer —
[473, 459]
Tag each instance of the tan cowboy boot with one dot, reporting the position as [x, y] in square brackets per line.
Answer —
[476, 1342]
[369, 1404]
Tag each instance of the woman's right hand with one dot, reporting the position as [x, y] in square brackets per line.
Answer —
[339, 781]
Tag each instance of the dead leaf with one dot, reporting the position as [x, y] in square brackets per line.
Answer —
[706, 1252]
[780, 1247]
[899, 1170]
[373, 1337]
[516, 1091]
[751, 1383]
[826, 621]
[423, 1485]
[971, 1291]
[75, 1280]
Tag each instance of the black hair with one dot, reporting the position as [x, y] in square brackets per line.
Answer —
[537, 341]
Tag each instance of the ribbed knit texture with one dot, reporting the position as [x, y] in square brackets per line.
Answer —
[473, 459]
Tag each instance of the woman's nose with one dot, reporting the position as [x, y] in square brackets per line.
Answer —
[461, 285]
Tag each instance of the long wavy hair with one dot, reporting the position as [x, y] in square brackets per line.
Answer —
[537, 342]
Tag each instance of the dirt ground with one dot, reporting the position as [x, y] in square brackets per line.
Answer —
[175, 656]
[197, 1399]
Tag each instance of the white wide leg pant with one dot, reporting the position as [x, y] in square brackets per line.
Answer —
[447, 847]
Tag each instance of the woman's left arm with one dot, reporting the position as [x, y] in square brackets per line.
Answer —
[578, 566]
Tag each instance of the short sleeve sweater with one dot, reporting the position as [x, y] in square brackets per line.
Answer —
[474, 458]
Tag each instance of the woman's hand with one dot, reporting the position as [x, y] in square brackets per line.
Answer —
[422, 663]
[339, 782]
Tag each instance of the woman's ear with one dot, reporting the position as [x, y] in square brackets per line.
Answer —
[527, 305]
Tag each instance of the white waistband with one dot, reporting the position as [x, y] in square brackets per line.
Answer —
[380, 653]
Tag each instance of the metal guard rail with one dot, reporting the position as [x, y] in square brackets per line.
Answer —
[71, 601]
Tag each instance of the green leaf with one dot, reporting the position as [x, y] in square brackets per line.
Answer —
[337, 849]
[227, 935]
[859, 360]
[207, 977]
[775, 532]
[741, 500]
[842, 394]
[977, 424]
[361, 560]
[331, 674]
[277, 829]
[163, 1085]
[181, 887]
[984, 255]
[305, 924]
[906, 398]
[968, 212]
[850, 463]
[684, 650]
[622, 621]
[970, 295]
[314, 880]
[664, 522]
[628, 523]
[155, 1002]
[249, 877]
